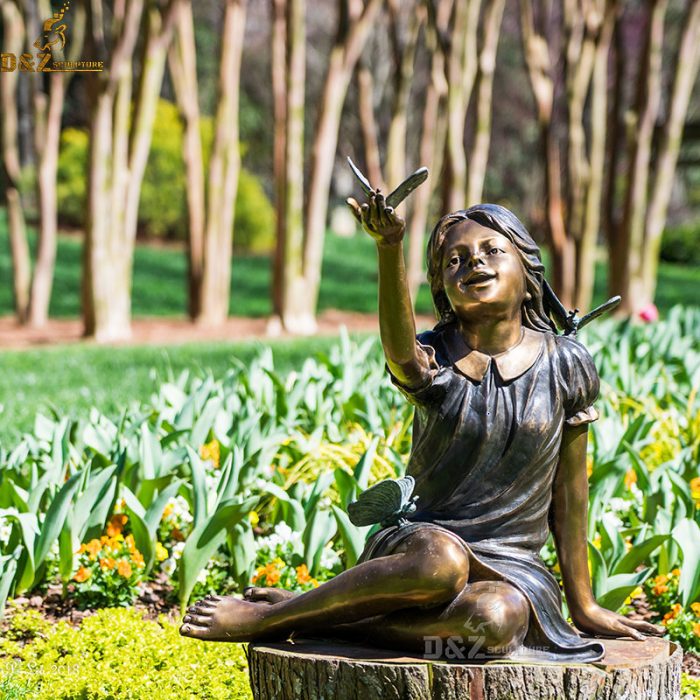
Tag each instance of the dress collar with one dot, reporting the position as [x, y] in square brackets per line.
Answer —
[510, 364]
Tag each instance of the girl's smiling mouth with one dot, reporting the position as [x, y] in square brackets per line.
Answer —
[477, 277]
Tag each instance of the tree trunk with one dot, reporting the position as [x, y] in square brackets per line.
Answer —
[461, 73]
[368, 124]
[432, 143]
[341, 64]
[686, 71]
[493, 14]
[292, 312]
[313, 670]
[183, 71]
[539, 70]
[404, 57]
[13, 36]
[159, 30]
[224, 168]
[586, 244]
[631, 231]
[107, 269]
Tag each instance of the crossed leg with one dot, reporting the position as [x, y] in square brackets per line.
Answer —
[418, 591]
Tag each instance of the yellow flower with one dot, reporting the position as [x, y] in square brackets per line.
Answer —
[589, 465]
[696, 629]
[630, 478]
[82, 574]
[137, 558]
[254, 518]
[695, 488]
[597, 542]
[211, 451]
[130, 543]
[168, 510]
[695, 607]
[124, 568]
[161, 552]
[676, 572]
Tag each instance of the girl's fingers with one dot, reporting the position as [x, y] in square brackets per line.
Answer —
[354, 208]
[646, 627]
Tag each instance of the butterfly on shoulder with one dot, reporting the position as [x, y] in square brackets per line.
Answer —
[386, 503]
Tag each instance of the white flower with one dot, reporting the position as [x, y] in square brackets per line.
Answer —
[168, 566]
[619, 505]
[177, 550]
[329, 558]
[202, 576]
[5, 532]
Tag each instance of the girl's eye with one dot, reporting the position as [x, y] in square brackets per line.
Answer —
[454, 260]
[495, 251]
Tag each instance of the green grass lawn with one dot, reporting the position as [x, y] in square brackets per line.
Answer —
[349, 280]
[73, 378]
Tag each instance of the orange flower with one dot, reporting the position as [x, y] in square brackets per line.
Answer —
[661, 579]
[130, 543]
[82, 574]
[93, 548]
[676, 572]
[660, 589]
[630, 478]
[303, 575]
[124, 568]
[695, 607]
[696, 629]
[137, 558]
[673, 613]
[107, 563]
[116, 524]
[270, 572]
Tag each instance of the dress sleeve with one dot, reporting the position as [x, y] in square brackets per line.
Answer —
[580, 382]
[433, 390]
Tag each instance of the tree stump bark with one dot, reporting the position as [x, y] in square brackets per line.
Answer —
[317, 670]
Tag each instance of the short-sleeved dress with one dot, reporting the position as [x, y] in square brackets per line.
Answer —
[486, 438]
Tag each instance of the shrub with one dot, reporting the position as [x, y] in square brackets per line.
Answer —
[116, 654]
[681, 244]
[163, 204]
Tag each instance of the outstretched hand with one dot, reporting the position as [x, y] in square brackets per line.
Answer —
[380, 221]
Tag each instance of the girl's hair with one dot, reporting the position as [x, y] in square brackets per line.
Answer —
[499, 219]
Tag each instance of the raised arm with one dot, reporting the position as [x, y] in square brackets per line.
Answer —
[397, 326]
[569, 526]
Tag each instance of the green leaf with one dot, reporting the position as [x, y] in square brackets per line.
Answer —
[319, 530]
[619, 588]
[199, 486]
[55, 518]
[205, 539]
[687, 535]
[639, 554]
[353, 537]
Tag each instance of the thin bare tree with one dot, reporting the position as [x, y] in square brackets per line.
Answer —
[211, 202]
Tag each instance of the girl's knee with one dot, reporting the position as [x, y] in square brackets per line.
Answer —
[439, 563]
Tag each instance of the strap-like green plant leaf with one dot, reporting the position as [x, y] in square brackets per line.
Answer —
[620, 586]
[687, 535]
[638, 555]
[204, 541]
[353, 537]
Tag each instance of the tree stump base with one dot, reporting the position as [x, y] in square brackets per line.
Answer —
[318, 670]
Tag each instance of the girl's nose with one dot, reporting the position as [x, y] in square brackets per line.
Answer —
[475, 258]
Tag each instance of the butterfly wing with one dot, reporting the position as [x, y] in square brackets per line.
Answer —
[377, 503]
[364, 182]
[406, 187]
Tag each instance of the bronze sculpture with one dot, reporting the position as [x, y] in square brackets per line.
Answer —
[502, 406]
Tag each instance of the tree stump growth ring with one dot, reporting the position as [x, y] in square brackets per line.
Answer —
[318, 670]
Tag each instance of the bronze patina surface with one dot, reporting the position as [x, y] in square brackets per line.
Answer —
[503, 404]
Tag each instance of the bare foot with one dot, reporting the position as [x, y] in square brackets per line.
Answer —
[223, 619]
[267, 595]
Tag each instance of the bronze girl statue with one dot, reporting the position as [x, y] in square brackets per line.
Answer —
[502, 407]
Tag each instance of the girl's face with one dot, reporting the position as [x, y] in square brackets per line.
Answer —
[481, 272]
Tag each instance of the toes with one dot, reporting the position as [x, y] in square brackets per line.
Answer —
[201, 620]
[212, 596]
[194, 631]
[200, 610]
